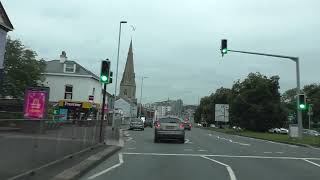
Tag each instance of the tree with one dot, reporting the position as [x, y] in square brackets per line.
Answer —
[255, 103]
[21, 69]
[313, 94]
[206, 109]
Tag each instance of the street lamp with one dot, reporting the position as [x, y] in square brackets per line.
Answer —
[116, 84]
[143, 77]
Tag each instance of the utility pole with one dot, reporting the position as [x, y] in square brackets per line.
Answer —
[309, 114]
[101, 139]
[224, 50]
[143, 77]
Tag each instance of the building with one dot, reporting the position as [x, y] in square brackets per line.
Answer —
[5, 26]
[74, 88]
[128, 109]
[128, 83]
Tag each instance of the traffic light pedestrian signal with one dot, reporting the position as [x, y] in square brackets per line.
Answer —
[105, 71]
[224, 47]
[302, 102]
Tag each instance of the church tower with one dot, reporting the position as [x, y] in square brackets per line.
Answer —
[128, 83]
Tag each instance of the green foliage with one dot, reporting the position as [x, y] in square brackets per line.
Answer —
[22, 69]
[254, 103]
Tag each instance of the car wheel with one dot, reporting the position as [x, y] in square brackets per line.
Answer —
[182, 140]
[142, 129]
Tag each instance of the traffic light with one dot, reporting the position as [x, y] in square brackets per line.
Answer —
[302, 102]
[105, 70]
[110, 79]
[224, 47]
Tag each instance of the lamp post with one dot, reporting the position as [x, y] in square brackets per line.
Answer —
[116, 84]
[143, 77]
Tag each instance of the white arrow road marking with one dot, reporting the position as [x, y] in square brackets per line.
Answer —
[230, 171]
[188, 141]
[110, 168]
[129, 139]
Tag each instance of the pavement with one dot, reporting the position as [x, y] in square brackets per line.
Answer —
[207, 155]
[21, 152]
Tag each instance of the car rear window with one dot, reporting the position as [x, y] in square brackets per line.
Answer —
[169, 120]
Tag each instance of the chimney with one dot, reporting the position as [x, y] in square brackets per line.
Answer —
[63, 57]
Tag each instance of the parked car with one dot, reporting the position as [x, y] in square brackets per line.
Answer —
[199, 125]
[309, 132]
[148, 122]
[236, 128]
[274, 130]
[284, 131]
[136, 123]
[212, 125]
[187, 125]
[169, 128]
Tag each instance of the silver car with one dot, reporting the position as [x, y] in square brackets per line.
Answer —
[169, 128]
[309, 132]
[136, 123]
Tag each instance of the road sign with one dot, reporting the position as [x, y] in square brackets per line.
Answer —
[222, 112]
[91, 97]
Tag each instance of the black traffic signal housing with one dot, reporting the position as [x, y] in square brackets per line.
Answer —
[110, 77]
[302, 102]
[105, 71]
[224, 47]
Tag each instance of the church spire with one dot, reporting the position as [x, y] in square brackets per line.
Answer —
[128, 84]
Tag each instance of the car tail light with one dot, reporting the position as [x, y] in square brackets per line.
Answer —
[190, 124]
[181, 126]
[157, 125]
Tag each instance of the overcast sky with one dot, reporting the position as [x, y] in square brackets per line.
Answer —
[176, 42]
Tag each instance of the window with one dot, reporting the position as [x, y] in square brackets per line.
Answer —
[68, 92]
[93, 91]
[69, 68]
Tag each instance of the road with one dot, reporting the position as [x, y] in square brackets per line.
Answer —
[207, 155]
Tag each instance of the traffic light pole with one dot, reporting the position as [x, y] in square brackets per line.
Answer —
[101, 137]
[296, 60]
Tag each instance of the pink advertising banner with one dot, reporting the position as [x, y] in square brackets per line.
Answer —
[35, 104]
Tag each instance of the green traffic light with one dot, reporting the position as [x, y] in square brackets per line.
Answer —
[225, 51]
[302, 106]
[104, 78]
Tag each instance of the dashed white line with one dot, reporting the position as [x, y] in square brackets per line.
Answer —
[312, 162]
[279, 152]
[201, 150]
[129, 139]
[229, 169]
[267, 152]
[131, 148]
[109, 169]
[188, 149]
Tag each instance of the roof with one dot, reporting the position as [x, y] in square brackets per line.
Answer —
[4, 19]
[55, 66]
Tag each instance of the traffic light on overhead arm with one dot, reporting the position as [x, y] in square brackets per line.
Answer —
[224, 47]
[302, 102]
[105, 71]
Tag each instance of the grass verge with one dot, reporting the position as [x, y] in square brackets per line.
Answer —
[283, 138]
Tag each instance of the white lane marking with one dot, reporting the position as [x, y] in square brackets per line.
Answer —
[230, 171]
[109, 169]
[186, 141]
[129, 139]
[201, 150]
[230, 140]
[227, 156]
[188, 149]
[209, 134]
[131, 148]
[267, 152]
[312, 162]
[279, 152]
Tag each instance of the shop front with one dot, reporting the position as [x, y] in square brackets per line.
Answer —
[77, 110]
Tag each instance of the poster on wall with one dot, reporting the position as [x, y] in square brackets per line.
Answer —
[36, 103]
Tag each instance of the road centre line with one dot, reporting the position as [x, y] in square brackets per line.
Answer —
[108, 169]
[230, 140]
[229, 169]
[312, 162]
[227, 156]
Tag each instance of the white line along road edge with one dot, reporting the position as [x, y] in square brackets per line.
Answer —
[312, 162]
[109, 169]
[230, 171]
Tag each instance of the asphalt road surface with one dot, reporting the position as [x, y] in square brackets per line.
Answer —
[207, 155]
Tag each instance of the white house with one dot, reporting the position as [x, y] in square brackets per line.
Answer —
[129, 109]
[68, 80]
